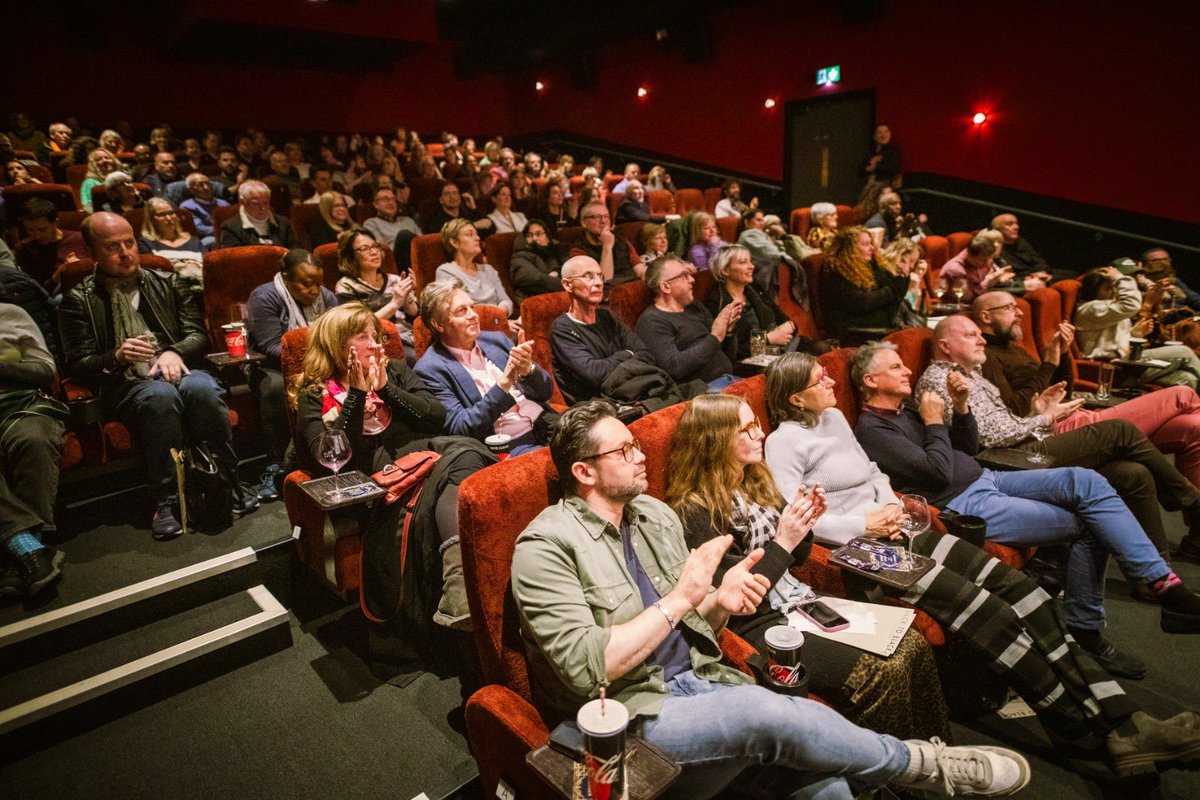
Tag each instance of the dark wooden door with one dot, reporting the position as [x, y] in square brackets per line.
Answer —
[826, 142]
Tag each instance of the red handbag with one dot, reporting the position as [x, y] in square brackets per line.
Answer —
[406, 475]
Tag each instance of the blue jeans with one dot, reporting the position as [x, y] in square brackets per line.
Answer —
[717, 384]
[805, 749]
[1073, 505]
[159, 413]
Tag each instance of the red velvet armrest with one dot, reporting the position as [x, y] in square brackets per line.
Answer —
[502, 728]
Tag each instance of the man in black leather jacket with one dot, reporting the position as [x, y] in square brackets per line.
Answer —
[129, 334]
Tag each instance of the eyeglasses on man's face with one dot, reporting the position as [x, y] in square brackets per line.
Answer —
[588, 277]
[626, 450]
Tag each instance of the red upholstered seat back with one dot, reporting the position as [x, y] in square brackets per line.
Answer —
[711, 198]
[424, 190]
[71, 220]
[914, 345]
[1045, 310]
[569, 234]
[728, 227]
[847, 216]
[703, 286]
[957, 242]
[499, 249]
[15, 197]
[654, 432]
[73, 273]
[491, 517]
[427, 255]
[837, 364]
[800, 221]
[302, 215]
[219, 216]
[537, 315]
[688, 200]
[156, 263]
[632, 233]
[812, 271]
[229, 277]
[614, 202]
[1069, 296]
[491, 318]
[754, 391]
[76, 175]
[629, 300]
[327, 257]
[806, 325]
[660, 201]
[935, 250]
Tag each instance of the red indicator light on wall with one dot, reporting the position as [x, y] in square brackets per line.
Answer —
[979, 118]
[642, 92]
[769, 102]
[539, 86]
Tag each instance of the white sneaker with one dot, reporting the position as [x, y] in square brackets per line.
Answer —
[979, 771]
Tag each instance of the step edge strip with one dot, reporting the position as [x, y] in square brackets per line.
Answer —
[144, 667]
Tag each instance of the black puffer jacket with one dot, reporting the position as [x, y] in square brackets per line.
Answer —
[89, 340]
[531, 269]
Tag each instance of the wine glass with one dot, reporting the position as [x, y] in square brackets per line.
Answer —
[916, 520]
[1041, 432]
[960, 288]
[333, 451]
[939, 290]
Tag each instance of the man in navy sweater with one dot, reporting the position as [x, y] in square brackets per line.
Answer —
[922, 455]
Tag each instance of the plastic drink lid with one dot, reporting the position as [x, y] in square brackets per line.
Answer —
[497, 438]
[783, 637]
[614, 719]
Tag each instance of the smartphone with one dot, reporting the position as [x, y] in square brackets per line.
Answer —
[823, 616]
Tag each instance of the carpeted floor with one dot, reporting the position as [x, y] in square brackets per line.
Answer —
[316, 721]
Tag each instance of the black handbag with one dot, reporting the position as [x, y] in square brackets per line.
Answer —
[205, 491]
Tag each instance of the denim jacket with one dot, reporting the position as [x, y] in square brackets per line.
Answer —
[571, 586]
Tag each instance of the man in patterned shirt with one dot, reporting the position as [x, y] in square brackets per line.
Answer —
[1115, 448]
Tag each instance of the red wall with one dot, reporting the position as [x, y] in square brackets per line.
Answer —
[1096, 102]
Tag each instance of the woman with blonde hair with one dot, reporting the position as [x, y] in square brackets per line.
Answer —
[854, 291]
[733, 271]
[100, 162]
[704, 239]
[389, 296]
[654, 240]
[333, 219]
[111, 141]
[480, 281]
[163, 235]
[902, 258]
[718, 483]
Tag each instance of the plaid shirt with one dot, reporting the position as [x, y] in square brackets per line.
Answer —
[998, 427]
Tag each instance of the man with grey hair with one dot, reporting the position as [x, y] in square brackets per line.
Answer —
[927, 450]
[255, 223]
[588, 342]
[686, 340]
[202, 204]
[632, 171]
[977, 266]
[487, 384]
[1026, 262]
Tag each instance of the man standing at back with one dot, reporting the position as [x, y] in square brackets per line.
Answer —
[609, 597]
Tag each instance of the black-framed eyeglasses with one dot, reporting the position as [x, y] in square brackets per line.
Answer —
[625, 450]
[687, 273]
[367, 248]
[1005, 307]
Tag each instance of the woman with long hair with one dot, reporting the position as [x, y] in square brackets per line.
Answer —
[1001, 614]
[481, 281]
[100, 162]
[704, 239]
[855, 292]
[553, 208]
[718, 484]
[389, 296]
[902, 258]
[332, 221]
[503, 217]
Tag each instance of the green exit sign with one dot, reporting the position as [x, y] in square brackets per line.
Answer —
[829, 76]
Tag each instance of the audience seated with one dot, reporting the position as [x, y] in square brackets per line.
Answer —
[453, 205]
[19, 289]
[164, 235]
[630, 174]
[733, 271]
[165, 173]
[255, 222]
[536, 263]
[333, 220]
[46, 245]
[389, 219]
[824, 225]
[201, 204]
[389, 296]
[1020, 255]
[129, 334]
[927, 452]
[1107, 304]
[704, 239]
[617, 259]
[99, 163]
[855, 291]
[18, 174]
[894, 222]
[504, 219]
[480, 281]
[231, 173]
[294, 299]
[487, 385]
[687, 341]
[1155, 264]
[553, 209]
[24, 134]
[902, 258]
[731, 203]
[976, 267]
[57, 147]
[659, 180]
[717, 483]
[655, 243]
[704, 715]
[122, 196]
[634, 207]
[31, 440]
[1112, 441]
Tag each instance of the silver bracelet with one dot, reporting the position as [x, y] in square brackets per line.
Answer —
[670, 620]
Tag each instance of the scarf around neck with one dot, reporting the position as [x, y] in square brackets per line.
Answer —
[127, 321]
[376, 415]
[298, 316]
[760, 523]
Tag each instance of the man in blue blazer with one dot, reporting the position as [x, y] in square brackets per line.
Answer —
[487, 384]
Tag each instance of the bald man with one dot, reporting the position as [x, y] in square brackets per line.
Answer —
[1015, 372]
[589, 342]
[129, 334]
[1112, 446]
[1020, 255]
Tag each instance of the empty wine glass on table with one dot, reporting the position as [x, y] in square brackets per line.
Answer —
[333, 451]
[916, 520]
[1041, 433]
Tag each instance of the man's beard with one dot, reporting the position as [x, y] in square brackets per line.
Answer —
[1011, 334]
[623, 493]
